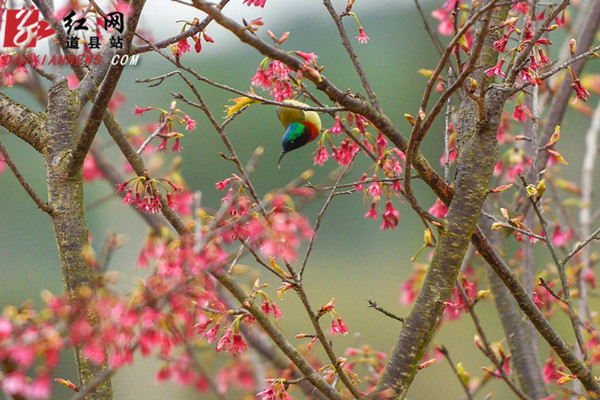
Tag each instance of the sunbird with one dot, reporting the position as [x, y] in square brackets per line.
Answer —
[301, 127]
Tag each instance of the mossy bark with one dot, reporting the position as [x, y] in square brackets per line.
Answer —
[475, 164]
[22, 122]
[65, 193]
[518, 332]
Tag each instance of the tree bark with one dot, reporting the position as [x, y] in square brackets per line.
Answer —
[65, 194]
[518, 332]
[475, 164]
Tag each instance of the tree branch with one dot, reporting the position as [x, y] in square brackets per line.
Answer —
[516, 329]
[561, 272]
[174, 39]
[353, 56]
[65, 194]
[24, 123]
[290, 351]
[561, 97]
[105, 93]
[560, 347]
[475, 165]
[45, 207]
[373, 305]
[114, 177]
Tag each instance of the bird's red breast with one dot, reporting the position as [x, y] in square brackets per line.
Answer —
[312, 130]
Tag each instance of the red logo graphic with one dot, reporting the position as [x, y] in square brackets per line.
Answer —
[23, 28]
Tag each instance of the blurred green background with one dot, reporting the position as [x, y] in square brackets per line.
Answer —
[352, 259]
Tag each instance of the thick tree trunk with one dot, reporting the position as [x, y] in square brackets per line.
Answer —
[65, 194]
[475, 164]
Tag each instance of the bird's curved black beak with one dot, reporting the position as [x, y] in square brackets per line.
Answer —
[283, 152]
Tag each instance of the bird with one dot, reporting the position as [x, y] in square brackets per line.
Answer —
[301, 126]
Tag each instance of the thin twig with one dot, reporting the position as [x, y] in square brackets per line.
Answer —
[183, 35]
[355, 183]
[446, 354]
[593, 236]
[320, 217]
[44, 206]
[94, 383]
[561, 272]
[551, 291]
[514, 228]
[156, 132]
[111, 243]
[486, 347]
[373, 304]
[352, 54]
[434, 38]
[253, 96]
[323, 340]
[237, 257]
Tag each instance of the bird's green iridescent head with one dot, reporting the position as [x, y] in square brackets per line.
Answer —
[297, 135]
[301, 127]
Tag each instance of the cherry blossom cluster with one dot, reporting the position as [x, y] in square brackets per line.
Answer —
[29, 342]
[167, 121]
[145, 193]
[167, 315]
[373, 360]
[159, 318]
[279, 79]
[344, 153]
[278, 233]
[231, 340]
[337, 324]
[457, 304]
[519, 31]
[382, 179]
[183, 46]
[277, 390]
[274, 76]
